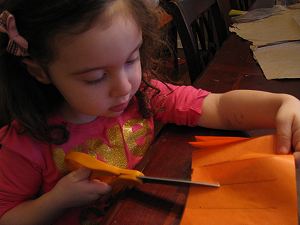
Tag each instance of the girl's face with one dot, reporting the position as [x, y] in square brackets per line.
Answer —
[98, 71]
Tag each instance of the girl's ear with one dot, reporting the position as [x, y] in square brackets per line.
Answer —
[35, 70]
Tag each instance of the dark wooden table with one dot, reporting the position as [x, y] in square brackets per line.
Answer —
[154, 204]
[170, 156]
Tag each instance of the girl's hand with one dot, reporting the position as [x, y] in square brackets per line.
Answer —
[288, 125]
[75, 189]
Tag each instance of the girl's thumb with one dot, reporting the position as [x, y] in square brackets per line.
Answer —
[283, 135]
[80, 174]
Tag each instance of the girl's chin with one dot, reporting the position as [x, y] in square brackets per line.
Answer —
[84, 118]
[113, 114]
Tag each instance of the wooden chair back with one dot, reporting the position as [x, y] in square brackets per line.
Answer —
[201, 28]
[241, 4]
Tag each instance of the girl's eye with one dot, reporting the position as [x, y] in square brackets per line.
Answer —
[93, 81]
[131, 61]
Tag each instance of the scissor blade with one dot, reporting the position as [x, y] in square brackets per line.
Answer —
[168, 181]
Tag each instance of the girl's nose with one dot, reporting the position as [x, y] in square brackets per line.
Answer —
[121, 85]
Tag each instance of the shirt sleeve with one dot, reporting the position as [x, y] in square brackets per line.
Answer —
[20, 180]
[181, 105]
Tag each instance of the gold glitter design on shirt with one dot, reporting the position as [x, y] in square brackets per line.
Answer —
[112, 152]
[131, 137]
[92, 146]
[115, 155]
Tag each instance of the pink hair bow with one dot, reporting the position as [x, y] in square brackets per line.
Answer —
[17, 45]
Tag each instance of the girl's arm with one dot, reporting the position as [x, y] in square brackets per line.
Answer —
[42, 210]
[246, 109]
[75, 189]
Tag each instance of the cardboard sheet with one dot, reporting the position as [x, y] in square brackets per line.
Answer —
[257, 185]
[279, 61]
[284, 26]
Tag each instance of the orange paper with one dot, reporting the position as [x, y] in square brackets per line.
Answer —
[258, 186]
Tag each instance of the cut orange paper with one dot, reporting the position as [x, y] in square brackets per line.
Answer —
[258, 186]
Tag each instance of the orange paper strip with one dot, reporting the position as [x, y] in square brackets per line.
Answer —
[257, 186]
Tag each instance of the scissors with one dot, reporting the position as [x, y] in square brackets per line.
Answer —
[116, 176]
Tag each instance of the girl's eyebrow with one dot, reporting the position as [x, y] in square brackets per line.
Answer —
[86, 70]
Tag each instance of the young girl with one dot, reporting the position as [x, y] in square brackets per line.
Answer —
[75, 76]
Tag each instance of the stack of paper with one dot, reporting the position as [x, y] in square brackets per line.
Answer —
[276, 42]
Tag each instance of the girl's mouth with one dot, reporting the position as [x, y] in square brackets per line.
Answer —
[119, 108]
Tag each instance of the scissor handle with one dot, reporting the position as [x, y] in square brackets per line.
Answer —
[75, 160]
[109, 174]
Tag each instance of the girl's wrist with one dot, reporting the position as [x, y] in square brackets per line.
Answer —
[55, 200]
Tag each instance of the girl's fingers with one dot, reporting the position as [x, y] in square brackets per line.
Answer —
[80, 174]
[296, 134]
[103, 187]
[284, 135]
[297, 159]
[297, 146]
